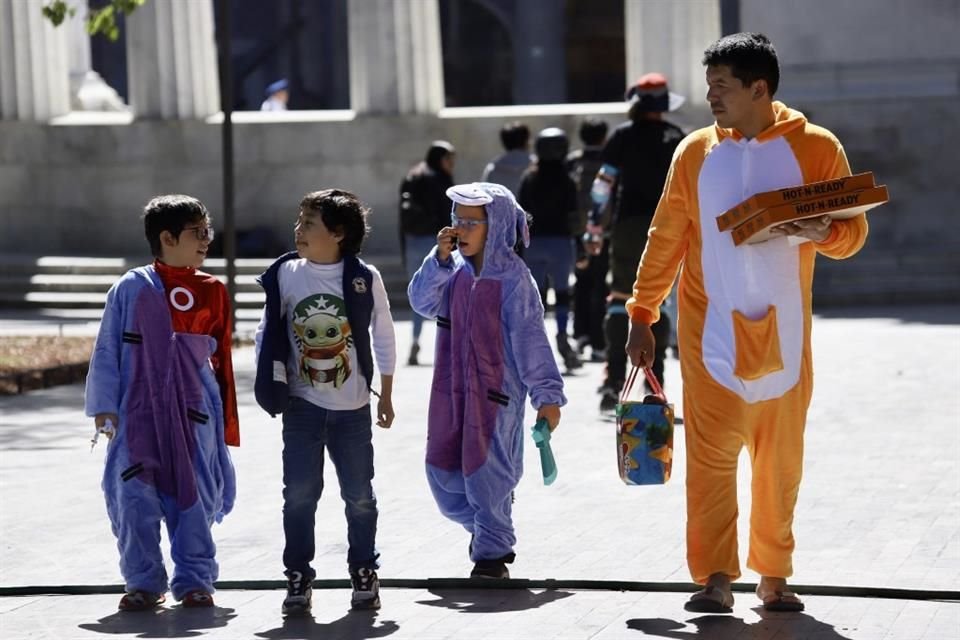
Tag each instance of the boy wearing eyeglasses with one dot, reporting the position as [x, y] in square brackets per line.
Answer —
[491, 352]
[160, 387]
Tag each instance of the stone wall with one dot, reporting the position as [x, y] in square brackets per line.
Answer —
[79, 189]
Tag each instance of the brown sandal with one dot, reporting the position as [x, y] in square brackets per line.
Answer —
[782, 601]
[196, 599]
[710, 599]
[140, 601]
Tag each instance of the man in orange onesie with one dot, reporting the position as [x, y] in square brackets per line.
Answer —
[744, 316]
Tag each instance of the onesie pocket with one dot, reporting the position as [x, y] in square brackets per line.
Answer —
[757, 345]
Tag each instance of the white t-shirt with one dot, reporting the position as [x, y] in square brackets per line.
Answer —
[323, 367]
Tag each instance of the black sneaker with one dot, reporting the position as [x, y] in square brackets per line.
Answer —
[299, 598]
[609, 397]
[366, 589]
[570, 358]
[496, 569]
[413, 360]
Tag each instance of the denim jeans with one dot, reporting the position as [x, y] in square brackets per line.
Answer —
[347, 437]
[416, 249]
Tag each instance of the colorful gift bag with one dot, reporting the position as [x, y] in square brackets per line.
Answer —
[644, 434]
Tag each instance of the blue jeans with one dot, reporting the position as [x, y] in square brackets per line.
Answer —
[416, 249]
[347, 436]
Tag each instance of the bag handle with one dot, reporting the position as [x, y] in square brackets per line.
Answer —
[651, 379]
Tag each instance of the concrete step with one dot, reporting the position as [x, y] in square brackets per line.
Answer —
[71, 282]
[86, 283]
[12, 264]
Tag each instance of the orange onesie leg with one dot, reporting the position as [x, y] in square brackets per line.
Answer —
[713, 445]
[776, 453]
[715, 433]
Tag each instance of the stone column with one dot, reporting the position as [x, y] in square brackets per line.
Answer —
[88, 90]
[669, 36]
[34, 76]
[539, 52]
[395, 56]
[172, 60]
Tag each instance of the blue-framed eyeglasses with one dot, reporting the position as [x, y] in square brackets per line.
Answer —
[202, 233]
[465, 223]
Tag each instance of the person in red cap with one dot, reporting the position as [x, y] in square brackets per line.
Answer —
[636, 158]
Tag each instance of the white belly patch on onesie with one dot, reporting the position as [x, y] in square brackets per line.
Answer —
[754, 321]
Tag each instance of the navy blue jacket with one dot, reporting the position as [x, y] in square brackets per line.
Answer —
[271, 388]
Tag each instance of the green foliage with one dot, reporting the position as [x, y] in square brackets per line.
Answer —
[102, 21]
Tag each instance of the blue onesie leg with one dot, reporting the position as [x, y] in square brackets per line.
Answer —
[135, 511]
[191, 548]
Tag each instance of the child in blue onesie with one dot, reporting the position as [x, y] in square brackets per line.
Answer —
[492, 350]
[161, 374]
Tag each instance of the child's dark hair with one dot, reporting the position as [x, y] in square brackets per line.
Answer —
[340, 211]
[750, 56]
[514, 135]
[170, 213]
[593, 131]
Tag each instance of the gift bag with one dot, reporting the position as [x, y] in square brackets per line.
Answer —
[644, 434]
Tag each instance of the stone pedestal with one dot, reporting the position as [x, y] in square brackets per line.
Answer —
[34, 76]
[670, 36]
[172, 60]
[395, 57]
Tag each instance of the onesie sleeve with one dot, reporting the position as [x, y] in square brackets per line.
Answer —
[102, 393]
[846, 236]
[426, 288]
[667, 243]
[530, 348]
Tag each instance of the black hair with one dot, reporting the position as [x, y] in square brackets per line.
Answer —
[750, 56]
[439, 149]
[341, 211]
[593, 131]
[170, 213]
[514, 135]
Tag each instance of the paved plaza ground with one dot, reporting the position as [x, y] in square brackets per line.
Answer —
[879, 512]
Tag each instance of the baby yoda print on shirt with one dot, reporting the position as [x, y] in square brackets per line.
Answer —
[324, 340]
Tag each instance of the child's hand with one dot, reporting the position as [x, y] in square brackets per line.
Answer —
[101, 419]
[445, 243]
[551, 413]
[384, 412]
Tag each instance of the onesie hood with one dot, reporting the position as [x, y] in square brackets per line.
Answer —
[506, 222]
[785, 121]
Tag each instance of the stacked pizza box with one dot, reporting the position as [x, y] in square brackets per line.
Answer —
[752, 220]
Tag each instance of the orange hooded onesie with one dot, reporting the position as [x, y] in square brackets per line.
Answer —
[743, 331]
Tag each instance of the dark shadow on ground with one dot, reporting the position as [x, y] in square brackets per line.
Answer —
[163, 622]
[938, 314]
[493, 600]
[355, 624]
[782, 626]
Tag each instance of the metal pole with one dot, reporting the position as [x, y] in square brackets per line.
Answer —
[226, 131]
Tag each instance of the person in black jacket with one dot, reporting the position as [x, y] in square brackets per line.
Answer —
[549, 195]
[424, 210]
[636, 159]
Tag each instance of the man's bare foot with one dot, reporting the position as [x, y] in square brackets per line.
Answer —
[715, 597]
[776, 596]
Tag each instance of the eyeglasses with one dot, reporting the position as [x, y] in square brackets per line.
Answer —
[202, 233]
[466, 223]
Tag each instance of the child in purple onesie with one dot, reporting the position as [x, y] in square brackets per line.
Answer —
[492, 350]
